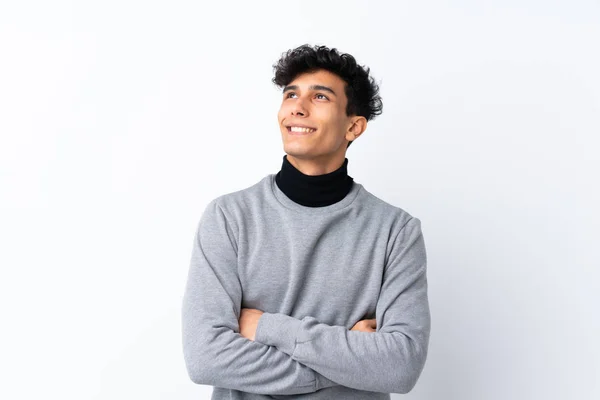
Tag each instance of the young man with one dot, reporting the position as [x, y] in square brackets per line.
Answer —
[305, 285]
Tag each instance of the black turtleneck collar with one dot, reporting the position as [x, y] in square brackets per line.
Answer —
[314, 190]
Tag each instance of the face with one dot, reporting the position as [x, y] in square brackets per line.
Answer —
[316, 100]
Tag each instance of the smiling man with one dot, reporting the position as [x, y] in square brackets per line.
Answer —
[315, 127]
[305, 285]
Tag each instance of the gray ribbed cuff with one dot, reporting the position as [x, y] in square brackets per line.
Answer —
[279, 330]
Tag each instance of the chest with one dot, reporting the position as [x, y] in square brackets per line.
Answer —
[332, 272]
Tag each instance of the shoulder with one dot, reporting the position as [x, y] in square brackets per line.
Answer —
[234, 205]
[385, 210]
[250, 193]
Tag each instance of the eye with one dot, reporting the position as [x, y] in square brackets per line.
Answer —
[287, 96]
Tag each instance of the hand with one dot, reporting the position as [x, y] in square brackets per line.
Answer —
[249, 322]
[365, 325]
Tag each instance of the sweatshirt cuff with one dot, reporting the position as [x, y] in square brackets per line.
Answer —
[279, 330]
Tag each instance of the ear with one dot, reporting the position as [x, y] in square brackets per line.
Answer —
[357, 126]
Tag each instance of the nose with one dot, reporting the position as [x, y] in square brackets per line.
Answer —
[298, 108]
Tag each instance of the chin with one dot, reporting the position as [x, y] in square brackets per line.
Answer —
[297, 151]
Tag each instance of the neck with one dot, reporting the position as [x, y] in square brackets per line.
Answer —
[314, 190]
[315, 167]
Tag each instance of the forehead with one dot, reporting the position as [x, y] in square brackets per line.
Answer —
[319, 77]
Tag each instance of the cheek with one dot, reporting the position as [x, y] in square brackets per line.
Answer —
[285, 107]
[333, 123]
[282, 113]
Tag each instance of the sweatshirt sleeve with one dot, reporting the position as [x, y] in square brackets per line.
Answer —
[389, 360]
[214, 351]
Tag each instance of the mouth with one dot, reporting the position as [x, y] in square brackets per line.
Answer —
[297, 130]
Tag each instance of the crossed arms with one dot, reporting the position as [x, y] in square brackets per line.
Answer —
[294, 356]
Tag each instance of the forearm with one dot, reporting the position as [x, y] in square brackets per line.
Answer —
[388, 362]
[222, 358]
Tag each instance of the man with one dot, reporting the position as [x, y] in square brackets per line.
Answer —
[305, 285]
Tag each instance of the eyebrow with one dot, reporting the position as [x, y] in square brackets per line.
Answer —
[312, 87]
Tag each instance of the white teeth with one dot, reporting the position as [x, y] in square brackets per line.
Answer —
[299, 129]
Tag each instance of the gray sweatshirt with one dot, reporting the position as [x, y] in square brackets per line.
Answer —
[314, 272]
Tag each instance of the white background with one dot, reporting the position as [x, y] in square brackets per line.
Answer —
[121, 120]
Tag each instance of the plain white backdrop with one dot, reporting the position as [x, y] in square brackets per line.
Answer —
[121, 120]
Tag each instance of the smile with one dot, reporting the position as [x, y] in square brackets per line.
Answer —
[300, 130]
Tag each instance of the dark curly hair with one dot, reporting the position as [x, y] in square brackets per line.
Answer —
[361, 90]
